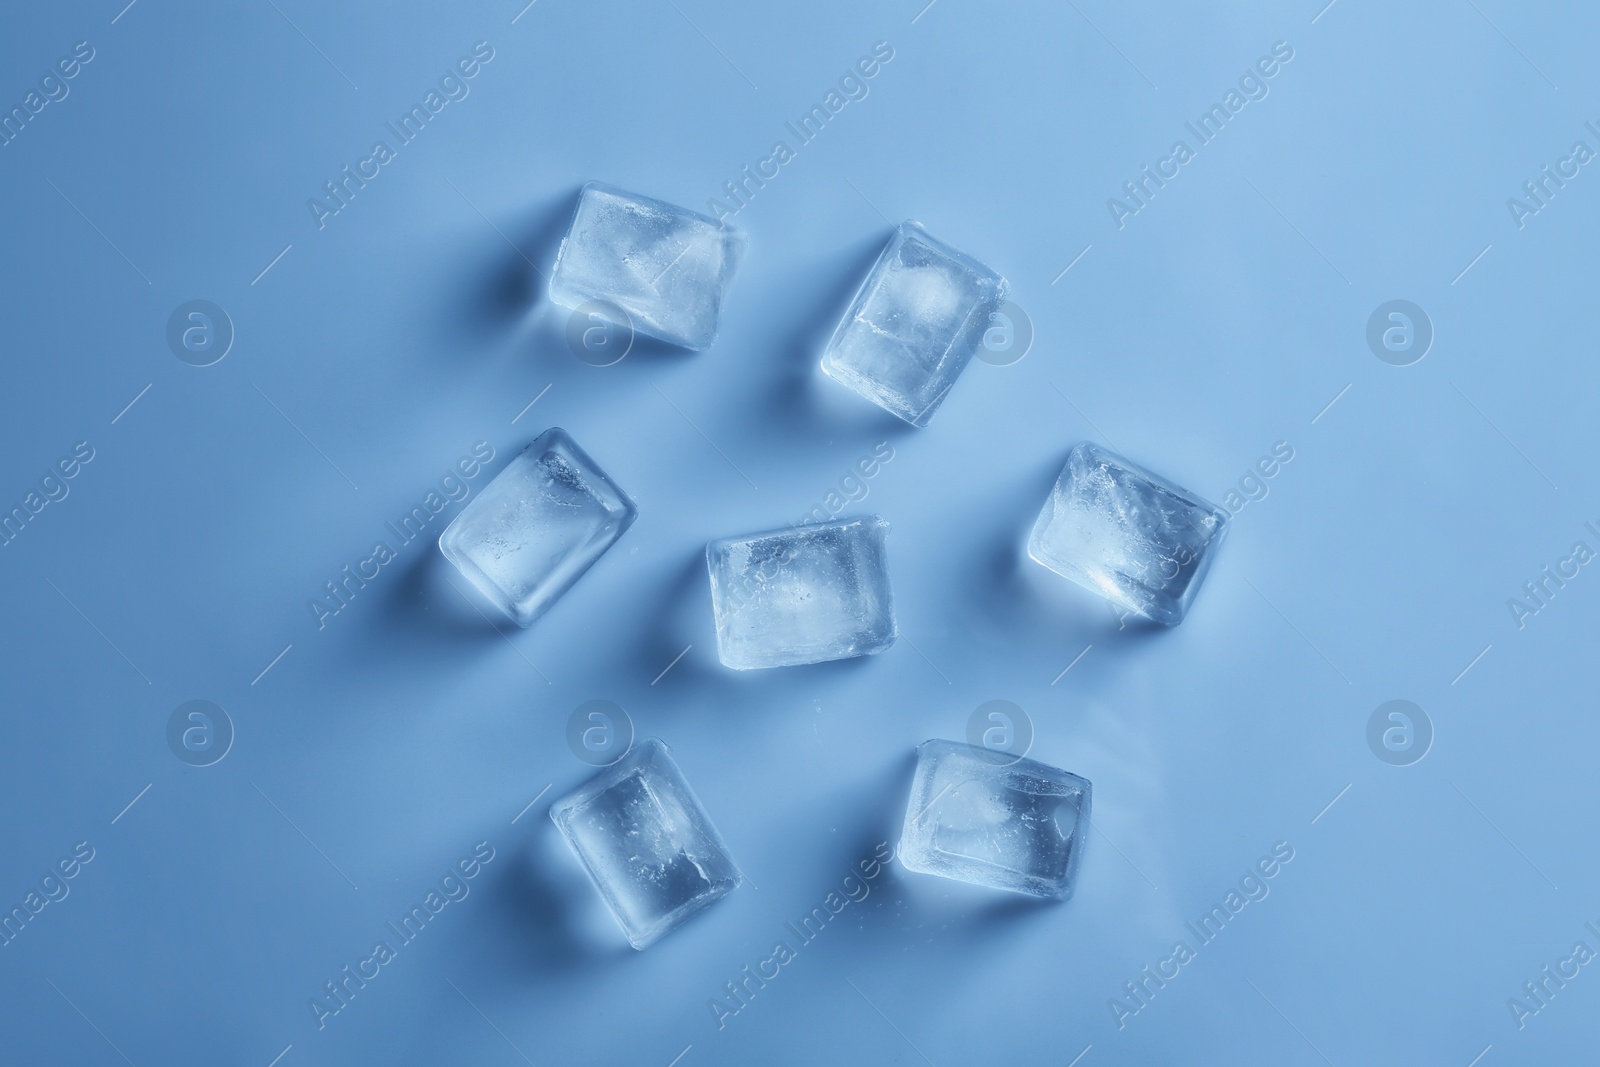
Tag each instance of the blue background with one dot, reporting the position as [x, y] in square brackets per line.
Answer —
[1223, 317]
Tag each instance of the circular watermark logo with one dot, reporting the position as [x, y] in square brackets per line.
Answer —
[1399, 333]
[199, 332]
[599, 732]
[1008, 337]
[1399, 733]
[1002, 729]
[199, 733]
[600, 333]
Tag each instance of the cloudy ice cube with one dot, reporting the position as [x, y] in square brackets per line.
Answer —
[985, 817]
[1133, 537]
[667, 268]
[537, 526]
[914, 324]
[646, 843]
[804, 595]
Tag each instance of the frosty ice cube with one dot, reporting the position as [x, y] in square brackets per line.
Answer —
[803, 595]
[665, 267]
[1134, 538]
[537, 526]
[987, 818]
[646, 843]
[914, 324]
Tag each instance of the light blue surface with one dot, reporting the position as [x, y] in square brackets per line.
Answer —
[370, 757]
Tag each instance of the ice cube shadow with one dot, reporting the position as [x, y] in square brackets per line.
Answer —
[549, 911]
[805, 398]
[502, 278]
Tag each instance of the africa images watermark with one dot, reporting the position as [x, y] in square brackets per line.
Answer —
[1253, 887]
[53, 89]
[453, 887]
[1540, 591]
[852, 88]
[453, 88]
[853, 889]
[455, 485]
[1539, 191]
[1252, 88]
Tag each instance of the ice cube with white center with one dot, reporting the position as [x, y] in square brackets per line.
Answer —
[803, 595]
[662, 270]
[988, 818]
[646, 843]
[1133, 537]
[914, 324]
[538, 526]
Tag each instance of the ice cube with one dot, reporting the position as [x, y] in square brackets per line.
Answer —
[1133, 537]
[666, 267]
[646, 843]
[803, 595]
[914, 324]
[537, 526]
[985, 817]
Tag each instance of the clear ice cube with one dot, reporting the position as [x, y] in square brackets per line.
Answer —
[985, 817]
[666, 267]
[1133, 537]
[914, 324]
[646, 843]
[803, 595]
[538, 526]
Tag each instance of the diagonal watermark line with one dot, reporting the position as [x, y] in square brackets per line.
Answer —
[499, 631]
[1474, 263]
[530, 404]
[1292, 1026]
[302, 433]
[713, 44]
[90, 1021]
[1103, 436]
[524, 11]
[531, 803]
[273, 664]
[1471, 665]
[924, 11]
[101, 232]
[1504, 438]
[686, 1049]
[890, 1021]
[901, 634]
[274, 263]
[1507, 840]
[313, 44]
[1297, 230]
[280, 1056]
[1114, 48]
[132, 402]
[656, 281]
[131, 803]
[708, 440]
[1299, 631]
[99, 631]
[1080, 1055]
[1073, 664]
[490, 1021]
[497, 229]
[1514, 47]
[1332, 402]
[1069, 266]
[302, 833]
[1323, 12]
[671, 665]
[1480, 1055]
[124, 11]
[1096, 828]
[870, 204]
[929, 805]
[1330, 804]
